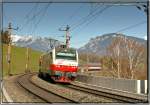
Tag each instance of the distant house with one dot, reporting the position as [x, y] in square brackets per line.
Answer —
[90, 67]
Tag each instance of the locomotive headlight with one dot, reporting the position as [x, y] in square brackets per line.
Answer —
[59, 73]
[74, 74]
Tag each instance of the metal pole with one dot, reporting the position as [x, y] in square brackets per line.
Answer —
[9, 49]
[9, 59]
[67, 35]
[27, 61]
[87, 60]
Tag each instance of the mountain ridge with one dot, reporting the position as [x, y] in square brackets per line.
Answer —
[36, 43]
[95, 45]
[99, 44]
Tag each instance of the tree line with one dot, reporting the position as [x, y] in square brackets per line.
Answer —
[5, 37]
[125, 58]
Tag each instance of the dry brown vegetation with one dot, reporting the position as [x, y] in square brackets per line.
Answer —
[126, 58]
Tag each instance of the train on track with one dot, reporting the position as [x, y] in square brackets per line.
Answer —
[59, 64]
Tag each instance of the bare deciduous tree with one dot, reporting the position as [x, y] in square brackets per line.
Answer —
[127, 54]
[135, 53]
[115, 51]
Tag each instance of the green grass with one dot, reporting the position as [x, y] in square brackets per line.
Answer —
[18, 60]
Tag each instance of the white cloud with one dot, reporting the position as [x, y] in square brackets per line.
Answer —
[145, 37]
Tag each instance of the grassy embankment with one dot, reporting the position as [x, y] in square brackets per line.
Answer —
[19, 59]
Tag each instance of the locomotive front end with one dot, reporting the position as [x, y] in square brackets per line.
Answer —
[65, 65]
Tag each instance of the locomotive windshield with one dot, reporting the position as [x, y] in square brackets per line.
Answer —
[68, 54]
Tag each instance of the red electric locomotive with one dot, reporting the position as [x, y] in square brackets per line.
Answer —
[59, 64]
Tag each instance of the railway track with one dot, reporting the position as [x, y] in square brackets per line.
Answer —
[40, 92]
[119, 98]
[51, 97]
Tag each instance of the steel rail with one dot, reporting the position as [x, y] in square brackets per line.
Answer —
[96, 92]
[40, 92]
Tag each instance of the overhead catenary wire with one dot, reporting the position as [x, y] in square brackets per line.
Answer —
[93, 15]
[83, 22]
[92, 7]
[26, 17]
[124, 29]
[98, 14]
[34, 16]
[119, 30]
[74, 13]
[5, 17]
[45, 10]
[38, 13]
[91, 19]
[42, 16]
[31, 23]
[88, 20]
[127, 28]
[132, 26]
[85, 17]
[32, 10]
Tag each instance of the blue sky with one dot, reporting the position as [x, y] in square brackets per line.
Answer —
[58, 15]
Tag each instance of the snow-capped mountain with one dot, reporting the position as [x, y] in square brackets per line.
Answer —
[36, 43]
[99, 44]
[16, 38]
